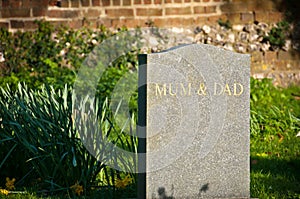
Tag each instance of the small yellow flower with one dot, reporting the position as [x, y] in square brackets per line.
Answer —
[262, 155]
[10, 183]
[78, 189]
[123, 183]
[4, 192]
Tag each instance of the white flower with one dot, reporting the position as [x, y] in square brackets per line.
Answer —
[298, 135]
[206, 29]
[68, 44]
[2, 59]
[62, 52]
[94, 41]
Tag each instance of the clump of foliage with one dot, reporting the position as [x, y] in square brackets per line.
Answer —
[226, 24]
[278, 35]
[275, 150]
[53, 55]
[42, 148]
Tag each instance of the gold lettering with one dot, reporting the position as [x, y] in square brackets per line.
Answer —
[227, 90]
[159, 91]
[216, 89]
[183, 90]
[235, 89]
[170, 90]
[202, 89]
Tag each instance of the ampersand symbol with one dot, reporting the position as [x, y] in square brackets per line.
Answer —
[202, 89]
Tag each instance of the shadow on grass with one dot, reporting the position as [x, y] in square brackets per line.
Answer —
[275, 177]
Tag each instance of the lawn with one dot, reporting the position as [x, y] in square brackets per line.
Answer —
[275, 149]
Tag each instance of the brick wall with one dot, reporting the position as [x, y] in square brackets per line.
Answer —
[20, 14]
[283, 66]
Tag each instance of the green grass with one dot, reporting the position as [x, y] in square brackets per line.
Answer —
[275, 150]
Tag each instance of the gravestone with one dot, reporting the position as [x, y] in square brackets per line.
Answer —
[196, 115]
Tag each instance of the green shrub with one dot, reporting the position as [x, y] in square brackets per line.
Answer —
[47, 55]
[43, 149]
[278, 35]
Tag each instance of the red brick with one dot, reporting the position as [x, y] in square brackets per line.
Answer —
[104, 22]
[15, 12]
[158, 1]
[234, 17]
[206, 0]
[105, 2]
[168, 1]
[270, 56]
[148, 12]
[275, 17]
[4, 25]
[15, 3]
[76, 24]
[63, 13]
[188, 22]
[92, 13]
[252, 6]
[187, 1]
[256, 56]
[214, 19]
[85, 3]
[26, 3]
[30, 25]
[5, 3]
[217, 0]
[160, 22]
[126, 2]
[234, 7]
[177, 1]
[280, 65]
[90, 23]
[131, 23]
[116, 2]
[262, 17]
[119, 12]
[210, 9]
[96, 2]
[147, 1]
[51, 3]
[137, 1]
[173, 22]
[178, 11]
[64, 4]
[247, 17]
[200, 21]
[267, 5]
[227, 8]
[60, 23]
[17, 24]
[283, 55]
[40, 3]
[75, 3]
[199, 10]
[38, 12]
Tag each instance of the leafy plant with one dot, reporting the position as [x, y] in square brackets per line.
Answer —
[42, 147]
[278, 35]
[226, 24]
